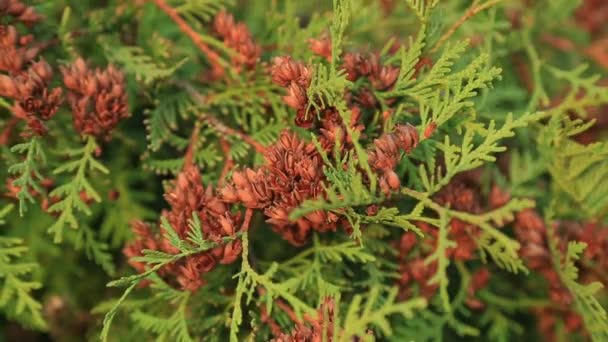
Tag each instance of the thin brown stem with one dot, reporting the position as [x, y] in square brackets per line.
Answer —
[212, 56]
[8, 131]
[471, 12]
[247, 220]
[228, 161]
[274, 327]
[219, 126]
[189, 157]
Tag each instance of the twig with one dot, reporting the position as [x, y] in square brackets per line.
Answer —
[228, 162]
[471, 12]
[213, 57]
[219, 126]
[247, 220]
[191, 151]
[274, 327]
[8, 130]
[523, 72]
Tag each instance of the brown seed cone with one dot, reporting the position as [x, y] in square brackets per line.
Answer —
[20, 11]
[188, 197]
[34, 101]
[531, 232]
[14, 54]
[237, 37]
[296, 77]
[382, 77]
[97, 97]
[386, 154]
[321, 47]
[285, 71]
[292, 173]
[334, 131]
[319, 329]
[145, 239]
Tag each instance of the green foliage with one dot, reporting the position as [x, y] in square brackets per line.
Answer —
[580, 172]
[249, 280]
[194, 244]
[174, 327]
[318, 269]
[468, 156]
[596, 319]
[28, 171]
[463, 67]
[136, 62]
[74, 193]
[374, 313]
[439, 255]
[16, 299]
[422, 8]
[586, 304]
[163, 118]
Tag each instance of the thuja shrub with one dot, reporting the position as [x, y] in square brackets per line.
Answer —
[346, 170]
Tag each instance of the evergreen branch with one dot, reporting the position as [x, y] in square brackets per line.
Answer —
[585, 92]
[28, 171]
[220, 127]
[439, 256]
[174, 327]
[471, 12]
[212, 56]
[307, 269]
[375, 313]
[539, 94]
[586, 303]
[501, 248]
[95, 250]
[249, 280]
[157, 259]
[341, 15]
[162, 120]
[16, 298]
[134, 61]
[422, 8]
[72, 193]
[468, 156]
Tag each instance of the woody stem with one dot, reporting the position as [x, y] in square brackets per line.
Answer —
[471, 12]
[228, 162]
[219, 126]
[8, 130]
[212, 56]
[247, 220]
[190, 153]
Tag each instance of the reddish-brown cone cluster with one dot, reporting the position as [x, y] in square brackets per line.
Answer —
[382, 77]
[189, 198]
[14, 50]
[97, 97]
[596, 237]
[292, 173]
[319, 329]
[531, 231]
[20, 11]
[295, 77]
[592, 15]
[333, 130]
[34, 101]
[237, 37]
[321, 47]
[386, 154]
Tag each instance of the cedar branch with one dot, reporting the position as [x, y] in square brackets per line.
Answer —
[471, 12]
[213, 57]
